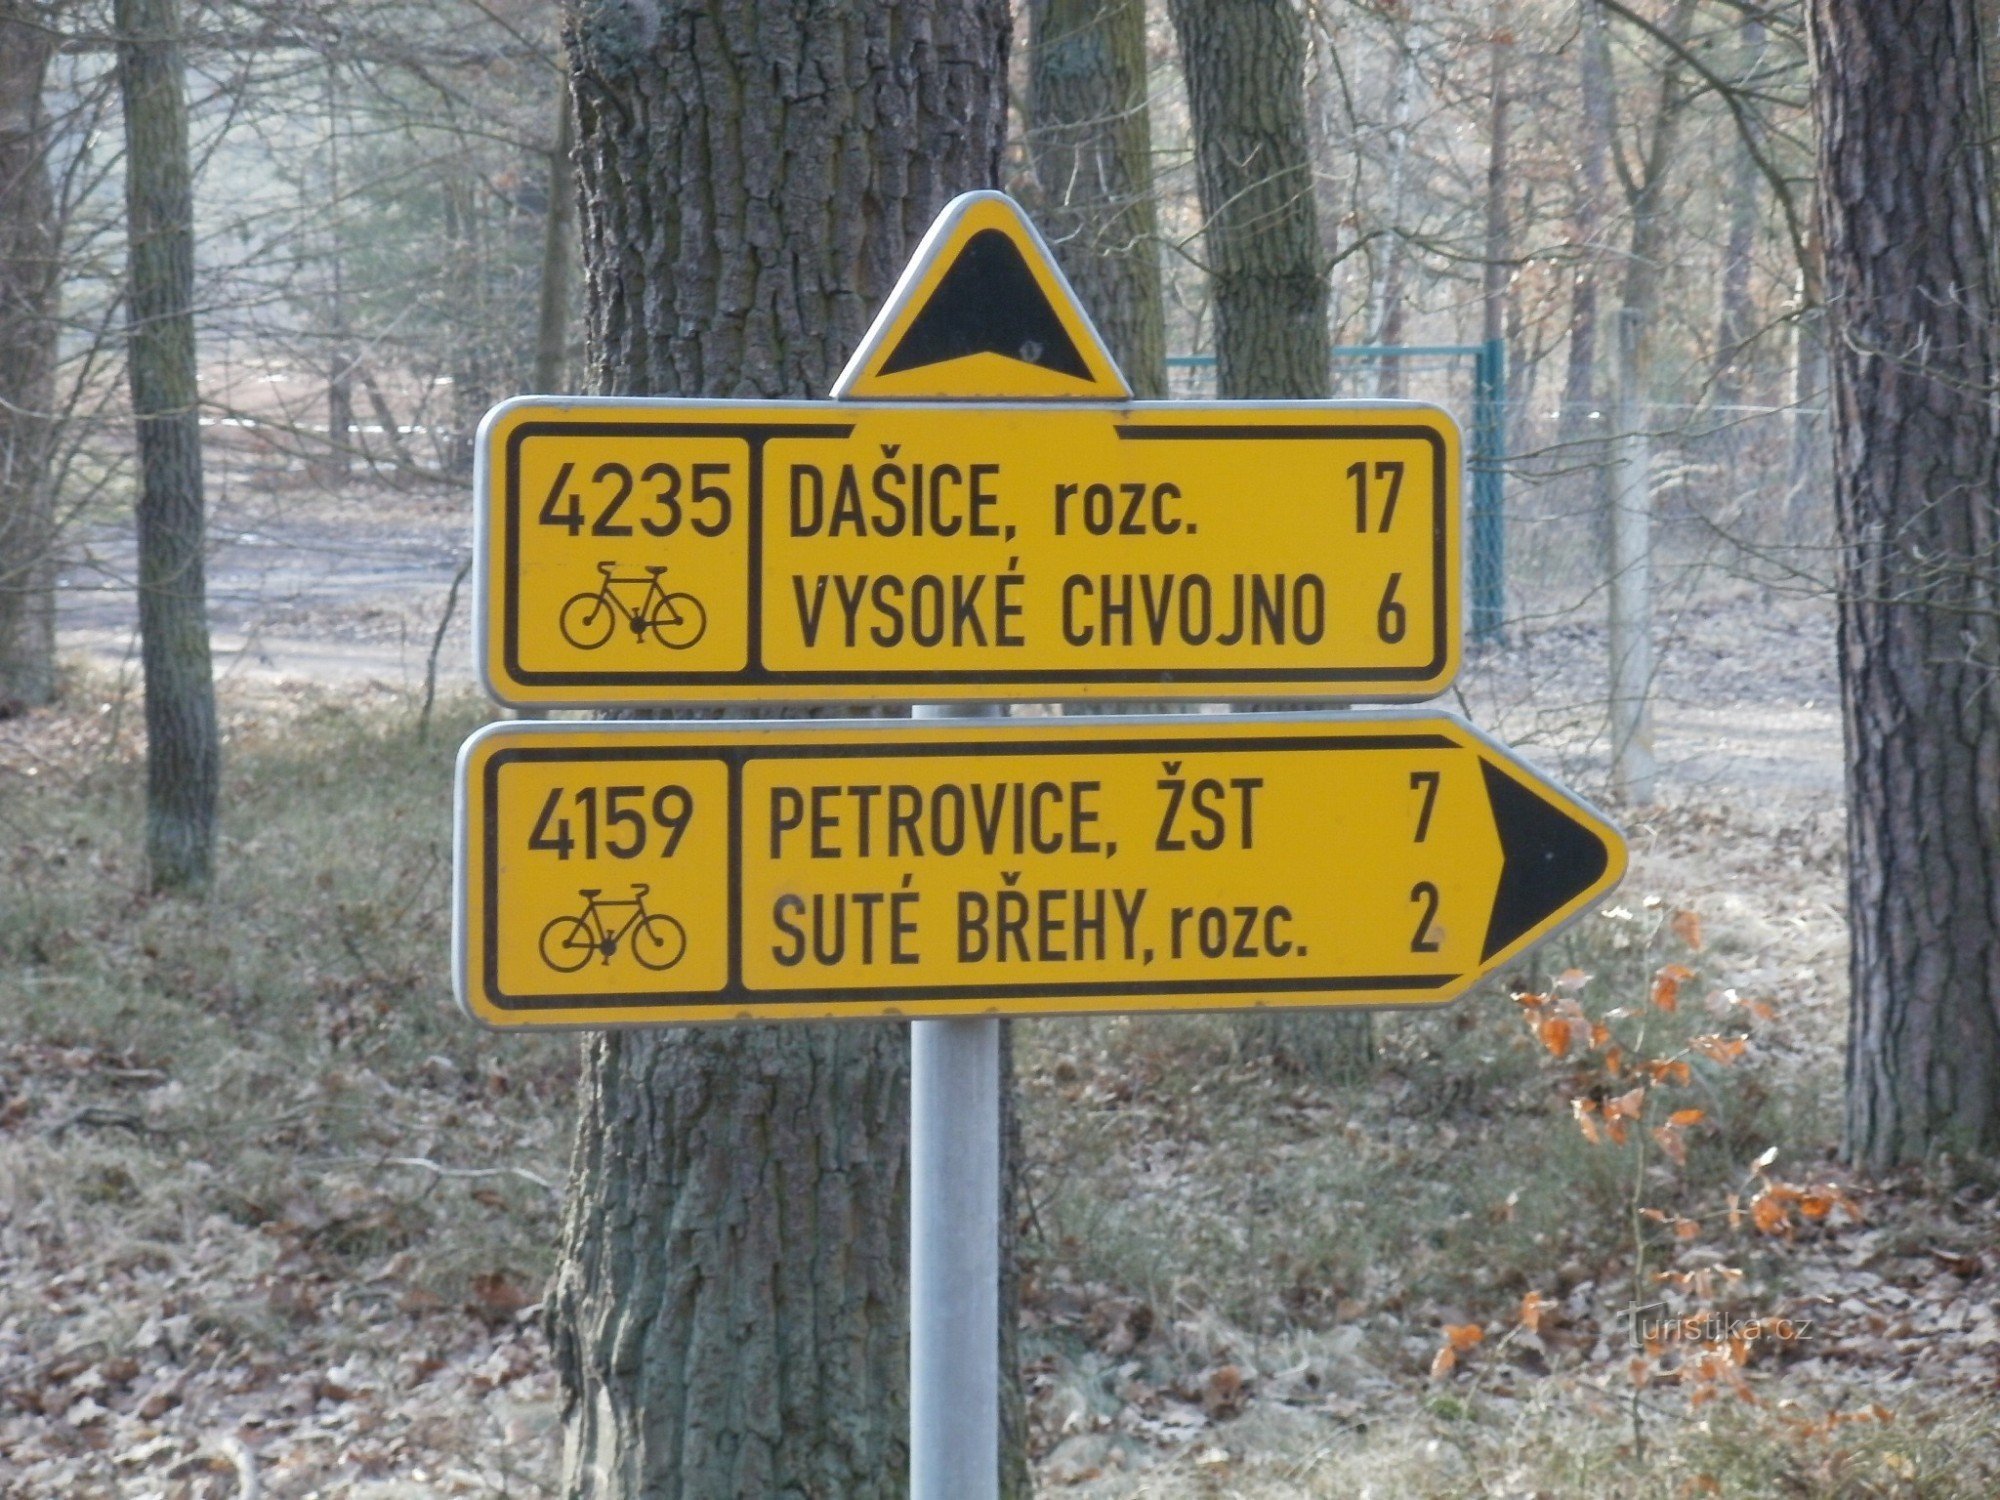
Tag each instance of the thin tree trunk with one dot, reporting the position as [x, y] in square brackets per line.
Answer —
[1633, 767]
[1389, 298]
[1736, 320]
[1498, 272]
[1807, 511]
[182, 754]
[1486, 547]
[1581, 419]
[1245, 67]
[729, 1313]
[1091, 137]
[558, 230]
[1914, 330]
[28, 293]
[341, 356]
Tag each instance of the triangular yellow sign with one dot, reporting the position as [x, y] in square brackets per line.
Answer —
[982, 311]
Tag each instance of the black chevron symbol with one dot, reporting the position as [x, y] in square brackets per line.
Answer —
[988, 302]
[1549, 859]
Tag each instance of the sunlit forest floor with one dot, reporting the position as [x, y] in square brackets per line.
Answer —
[268, 1204]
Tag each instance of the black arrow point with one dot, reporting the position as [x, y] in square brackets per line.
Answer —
[1548, 858]
[987, 303]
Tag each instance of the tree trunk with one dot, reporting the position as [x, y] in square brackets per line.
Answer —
[1806, 510]
[1581, 420]
[1907, 222]
[182, 755]
[1498, 272]
[558, 229]
[28, 291]
[341, 354]
[1091, 137]
[1736, 320]
[1245, 67]
[1389, 297]
[1631, 519]
[729, 1311]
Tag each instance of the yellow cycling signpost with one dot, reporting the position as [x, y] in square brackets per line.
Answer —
[650, 873]
[1063, 542]
[982, 514]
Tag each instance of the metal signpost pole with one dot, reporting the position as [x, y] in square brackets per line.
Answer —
[955, 1247]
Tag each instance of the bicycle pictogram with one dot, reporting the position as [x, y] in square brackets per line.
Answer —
[657, 941]
[676, 620]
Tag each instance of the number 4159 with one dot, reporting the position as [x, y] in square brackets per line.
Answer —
[620, 819]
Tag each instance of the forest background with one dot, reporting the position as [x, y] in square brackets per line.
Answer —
[272, 1215]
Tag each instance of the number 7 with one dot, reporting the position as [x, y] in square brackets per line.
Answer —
[1427, 783]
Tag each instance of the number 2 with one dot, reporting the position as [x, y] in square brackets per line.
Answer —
[1427, 894]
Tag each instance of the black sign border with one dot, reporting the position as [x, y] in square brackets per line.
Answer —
[756, 674]
[735, 995]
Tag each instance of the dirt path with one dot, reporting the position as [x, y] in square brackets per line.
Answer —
[348, 589]
[339, 590]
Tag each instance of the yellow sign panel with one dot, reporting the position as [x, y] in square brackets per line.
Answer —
[646, 552]
[646, 873]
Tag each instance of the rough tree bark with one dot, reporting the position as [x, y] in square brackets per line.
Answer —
[728, 1315]
[1914, 329]
[1245, 66]
[1090, 135]
[28, 291]
[182, 754]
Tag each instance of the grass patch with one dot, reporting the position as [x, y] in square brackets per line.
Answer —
[274, 1054]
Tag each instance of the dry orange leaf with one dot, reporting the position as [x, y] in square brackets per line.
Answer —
[1768, 1213]
[1671, 1143]
[1671, 1071]
[1444, 1362]
[1572, 980]
[1533, 1307]
[1722, 1049]
[1462, 1336]
[1630, 1105]
[1687, 927]
[1686, 1116]
[1555, 1035]
[1667, 985]
[1528, 1000]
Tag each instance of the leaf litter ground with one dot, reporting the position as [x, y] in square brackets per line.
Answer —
[268, 1207]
